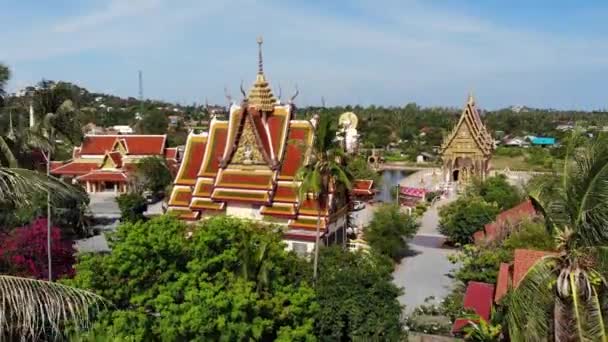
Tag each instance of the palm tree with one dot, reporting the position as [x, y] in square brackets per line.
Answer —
[31, 309]
[324, 169]
[564, 296]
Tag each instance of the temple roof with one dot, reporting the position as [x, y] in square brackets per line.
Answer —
[474, 128]
[134, 144]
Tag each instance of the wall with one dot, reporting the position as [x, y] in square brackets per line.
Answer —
[242, 210]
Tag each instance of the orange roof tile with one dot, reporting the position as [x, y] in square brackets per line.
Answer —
[523, 260]
[109, 176]
[136, 144]
[75, 168]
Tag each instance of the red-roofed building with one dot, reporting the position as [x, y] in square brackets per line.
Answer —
[363, 189]
[510, 275]
[103, 162]
[245, 166]
[478, 297]
[499, 229]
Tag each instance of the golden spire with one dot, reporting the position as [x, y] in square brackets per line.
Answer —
[471, 99]
[260, 95]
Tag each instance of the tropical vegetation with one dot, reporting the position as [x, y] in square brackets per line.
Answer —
[389, 231]
[323, 171]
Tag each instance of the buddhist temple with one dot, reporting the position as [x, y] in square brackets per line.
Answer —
[467, 150]
[246, 167]
[103, 162]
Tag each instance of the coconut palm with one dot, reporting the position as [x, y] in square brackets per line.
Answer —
[564, 296]
[324, 169]
[33, 309]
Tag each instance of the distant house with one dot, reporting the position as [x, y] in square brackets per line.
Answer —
[123, 129]
[565, 127]
[542, 141]
[516, 142]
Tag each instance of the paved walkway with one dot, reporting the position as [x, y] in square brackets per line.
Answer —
[425, 273]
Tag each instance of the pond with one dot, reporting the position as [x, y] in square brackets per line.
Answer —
[389, 180]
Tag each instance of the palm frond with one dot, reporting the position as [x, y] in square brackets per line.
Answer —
[8, 154]
[31, 308]
[530, 304]
[18, 186]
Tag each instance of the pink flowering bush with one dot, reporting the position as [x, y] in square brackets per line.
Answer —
[23, 252]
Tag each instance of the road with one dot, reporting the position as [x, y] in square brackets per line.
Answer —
[425, 272]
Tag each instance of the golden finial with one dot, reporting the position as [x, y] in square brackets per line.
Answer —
[260, 41]
[471, 99]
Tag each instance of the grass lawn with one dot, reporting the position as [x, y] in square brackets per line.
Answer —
[517, 163]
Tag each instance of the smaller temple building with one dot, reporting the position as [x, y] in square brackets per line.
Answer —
[103, 162]
[467, 150]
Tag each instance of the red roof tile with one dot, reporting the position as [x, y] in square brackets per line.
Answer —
[75, 168]
[136, 144]
[478, 297]
[502, 282]
[363, 187]
[171, 153]
[116, 158]
[110, 176]
[523, 260]
[497, 230]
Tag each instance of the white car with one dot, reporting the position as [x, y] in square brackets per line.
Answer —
[358, 205]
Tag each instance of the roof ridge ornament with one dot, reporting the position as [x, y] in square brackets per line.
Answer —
[260, 95]
[260, 41]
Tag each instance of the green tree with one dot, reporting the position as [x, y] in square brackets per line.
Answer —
[357, 298]
[225, 280]
[132, 207]
[389, 230]
[360, 169]
[154, 122]
[152, 174]
[463, 217]
[324, 166]
[563, 296]
[498, 190]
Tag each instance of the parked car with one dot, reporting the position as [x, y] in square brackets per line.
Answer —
[152, 197]
[357, 205]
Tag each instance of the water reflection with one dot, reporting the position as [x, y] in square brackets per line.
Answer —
[390, 179]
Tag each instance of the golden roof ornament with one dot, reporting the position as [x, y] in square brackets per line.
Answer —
[260, 95]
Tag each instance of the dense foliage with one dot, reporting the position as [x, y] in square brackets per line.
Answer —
[463, 217]
[227, 280]
[23, 252]
[389, 230]
[152, 174]
[132, 207]
[360, 169]
[357, 299]
[498, 190]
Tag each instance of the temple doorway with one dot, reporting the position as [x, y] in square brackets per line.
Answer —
[455, 175]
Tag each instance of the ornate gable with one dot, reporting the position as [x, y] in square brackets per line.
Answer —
[469, 136]
[248, 152]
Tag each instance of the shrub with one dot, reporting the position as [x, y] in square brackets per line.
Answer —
[498, 190]
[389, 229]
[132, 207]
[460, 219]
[23, 252]
[479, 264]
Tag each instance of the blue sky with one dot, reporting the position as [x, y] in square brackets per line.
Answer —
[538, 53]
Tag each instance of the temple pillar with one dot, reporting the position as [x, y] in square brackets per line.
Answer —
[115, 188]
[88, 186]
